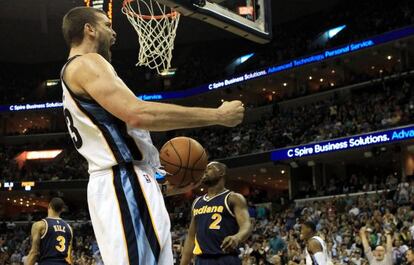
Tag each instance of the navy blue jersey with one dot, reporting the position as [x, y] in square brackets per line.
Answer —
[214, 221]
[56, 242]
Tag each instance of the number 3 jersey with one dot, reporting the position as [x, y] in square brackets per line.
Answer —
[101, 138]
[214, 221]
[56, 242]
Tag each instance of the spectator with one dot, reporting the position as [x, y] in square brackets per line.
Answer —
[381, 255]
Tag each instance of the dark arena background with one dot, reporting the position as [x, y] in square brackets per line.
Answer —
[327, 137]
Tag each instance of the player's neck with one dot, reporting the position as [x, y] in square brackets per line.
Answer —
[82, 49]
[53, 215]
[213, 191]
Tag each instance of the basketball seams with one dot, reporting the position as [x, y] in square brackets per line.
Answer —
[188, 162]
[174, 165]
[186, 168]
[179, 157]
[195, 163]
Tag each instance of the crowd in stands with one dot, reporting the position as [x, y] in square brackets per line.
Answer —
[276, 235]
[378, 106]
[208, 60]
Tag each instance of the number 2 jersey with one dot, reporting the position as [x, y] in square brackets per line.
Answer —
[56, 242]
[101, 138]
[214, 221]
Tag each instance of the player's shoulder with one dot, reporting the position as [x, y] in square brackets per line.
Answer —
[196, 200]
[314, 244]
[39, 226]
[235, 197]
[86, 63]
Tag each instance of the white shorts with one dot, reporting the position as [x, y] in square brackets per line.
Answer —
[129, 218]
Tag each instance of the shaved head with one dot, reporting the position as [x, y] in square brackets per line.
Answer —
[215, 172]
[222, 168]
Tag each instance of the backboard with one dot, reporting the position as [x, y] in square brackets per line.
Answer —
[250, 19]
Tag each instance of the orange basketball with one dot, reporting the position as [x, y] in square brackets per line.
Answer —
[184, 159]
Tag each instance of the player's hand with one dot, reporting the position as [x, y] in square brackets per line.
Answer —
[363, 230]
[171, 190]
[231, 113]
[230, 242]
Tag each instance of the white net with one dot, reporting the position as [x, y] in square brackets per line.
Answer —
[156, 26]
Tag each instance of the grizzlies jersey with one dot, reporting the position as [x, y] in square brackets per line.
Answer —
[214, 221]
[101, 138]
[56, 242]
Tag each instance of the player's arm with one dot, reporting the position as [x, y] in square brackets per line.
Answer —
[187, 251]
[93, 74]
[315, 249]
[38, 229]
[239, 205]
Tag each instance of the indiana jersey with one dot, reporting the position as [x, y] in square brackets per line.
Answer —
[214, 221]
[101, 138]
[56, 242]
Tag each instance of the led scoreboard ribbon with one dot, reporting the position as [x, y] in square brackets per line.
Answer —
[220, 84]
[346, 143]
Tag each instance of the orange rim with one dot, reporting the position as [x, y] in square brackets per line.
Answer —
[173, 14]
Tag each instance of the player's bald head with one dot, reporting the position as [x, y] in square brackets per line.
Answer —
[220, 167]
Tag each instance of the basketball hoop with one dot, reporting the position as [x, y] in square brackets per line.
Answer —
[156, 26]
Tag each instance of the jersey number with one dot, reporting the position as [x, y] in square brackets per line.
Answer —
[216, 223]
[76, 138]
[61, 244]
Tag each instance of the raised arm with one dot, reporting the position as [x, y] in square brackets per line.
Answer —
[38, 229]
[364, 239]
[389, 241]
[239, 205]
[187, 252]
[93, 77]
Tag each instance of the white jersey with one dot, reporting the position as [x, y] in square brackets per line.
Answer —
[310, 260]
[101, 138]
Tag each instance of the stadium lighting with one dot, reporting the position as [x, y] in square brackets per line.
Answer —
[46, 154]
[169, 72]
[310, 77]
[284, 84]
[52, 82]
[333, 32]
[245, 57]
[321, 80]
[389, 57]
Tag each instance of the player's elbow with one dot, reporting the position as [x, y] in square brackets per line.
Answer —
[139, 120]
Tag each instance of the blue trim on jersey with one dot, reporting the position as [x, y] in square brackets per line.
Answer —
[107, 121]
[147, 257]
[128, 227]
[144, 211]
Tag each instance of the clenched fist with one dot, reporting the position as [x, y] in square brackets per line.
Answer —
[231, 113]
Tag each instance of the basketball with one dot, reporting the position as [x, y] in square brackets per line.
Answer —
[184, 159]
